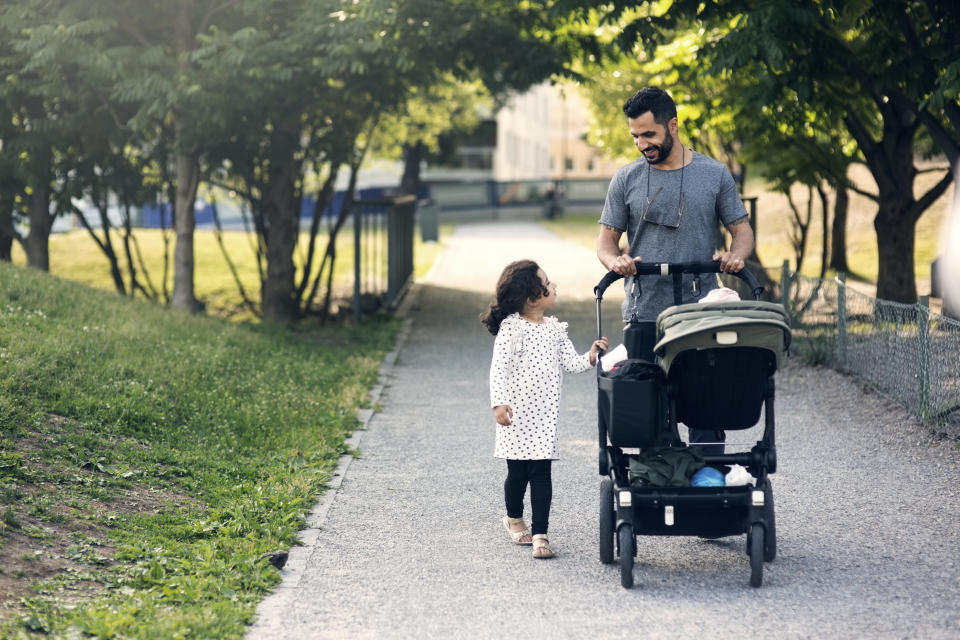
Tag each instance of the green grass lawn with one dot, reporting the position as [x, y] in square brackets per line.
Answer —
[148, 456]
[75, 256]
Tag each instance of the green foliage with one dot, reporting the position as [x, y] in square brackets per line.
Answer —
[187, 445]
[805, 80]
[428, 113]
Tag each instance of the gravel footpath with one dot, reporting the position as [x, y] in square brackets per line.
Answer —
[409, 544]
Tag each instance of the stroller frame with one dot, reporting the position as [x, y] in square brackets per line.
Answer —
[709, 512]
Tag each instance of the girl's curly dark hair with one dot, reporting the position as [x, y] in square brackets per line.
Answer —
[518, 283]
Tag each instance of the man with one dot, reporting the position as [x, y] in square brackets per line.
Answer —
[669, 204]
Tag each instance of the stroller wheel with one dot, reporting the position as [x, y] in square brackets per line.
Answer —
[603, 461]
[769, 517]
[607, 521]
[625, 538]
[755, 541]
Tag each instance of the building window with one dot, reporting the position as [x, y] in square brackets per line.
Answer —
[568, 163]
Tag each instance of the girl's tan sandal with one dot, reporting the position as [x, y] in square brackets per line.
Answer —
[519, 537]
[541, 547]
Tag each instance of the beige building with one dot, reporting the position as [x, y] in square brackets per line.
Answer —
[541, 134]
[523, 137]
[571, 156]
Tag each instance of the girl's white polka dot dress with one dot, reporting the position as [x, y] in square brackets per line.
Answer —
[526, 373]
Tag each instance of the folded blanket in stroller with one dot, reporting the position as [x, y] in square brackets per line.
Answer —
[664, 467]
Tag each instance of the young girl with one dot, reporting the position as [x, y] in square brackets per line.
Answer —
[530, 353]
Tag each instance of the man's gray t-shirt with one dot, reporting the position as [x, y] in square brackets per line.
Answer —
[667, 232]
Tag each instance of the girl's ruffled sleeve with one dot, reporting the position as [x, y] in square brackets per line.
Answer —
[501, 366]
[570, 360]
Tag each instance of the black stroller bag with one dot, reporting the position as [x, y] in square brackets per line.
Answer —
[632, 403]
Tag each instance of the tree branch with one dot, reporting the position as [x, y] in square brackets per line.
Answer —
[952, 109]
[214, 9]
[869, 148]
[127, 25]
[218, 234]
[8, 228]
[931, 196]
[86, 225]
[947, 143]
[907, 28]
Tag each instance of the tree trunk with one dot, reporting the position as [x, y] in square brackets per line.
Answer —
[838, 245]
[891, 162]
[188, 176]
[896, 230]
[38, 211]
[106, 246]
[6, 227]
[825, 223]
[410, 182]
[281, 215]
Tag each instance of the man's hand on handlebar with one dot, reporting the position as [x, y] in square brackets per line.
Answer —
[625, 265]
[729, 261]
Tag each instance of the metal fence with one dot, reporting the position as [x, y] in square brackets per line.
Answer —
[382, 253]
[903, 351]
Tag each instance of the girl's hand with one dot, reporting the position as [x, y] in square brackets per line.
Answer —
[503, 413]
[596, 347]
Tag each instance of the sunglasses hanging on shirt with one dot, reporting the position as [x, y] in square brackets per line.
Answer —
[665, 218]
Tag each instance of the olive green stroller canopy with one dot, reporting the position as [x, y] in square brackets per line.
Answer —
[749, 323]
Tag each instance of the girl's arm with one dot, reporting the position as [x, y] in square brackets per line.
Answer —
[573, 362]
[501, 366]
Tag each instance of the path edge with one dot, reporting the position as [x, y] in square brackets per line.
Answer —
[276, 606]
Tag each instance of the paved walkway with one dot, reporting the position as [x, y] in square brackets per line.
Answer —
[410, 545]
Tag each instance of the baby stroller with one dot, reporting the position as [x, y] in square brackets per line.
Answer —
[714, 369]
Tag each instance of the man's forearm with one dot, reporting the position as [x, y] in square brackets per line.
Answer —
[741, 243]
[608, 249]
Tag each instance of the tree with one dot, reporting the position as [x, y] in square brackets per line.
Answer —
[415, 129]
[884, 70]
[38, 113]
[322, 94]
[11, 186]
[189, 90]
[157, 46]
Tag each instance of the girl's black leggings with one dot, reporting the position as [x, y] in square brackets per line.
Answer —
[537, 474]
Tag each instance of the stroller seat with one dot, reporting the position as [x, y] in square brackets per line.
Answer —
[718, 358]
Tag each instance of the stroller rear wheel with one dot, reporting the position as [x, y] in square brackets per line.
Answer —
[625, 538]
[607, 521]
[755, 543]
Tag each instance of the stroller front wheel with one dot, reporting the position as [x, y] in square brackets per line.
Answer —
[770, 518]
[756, 554]
[625, 538]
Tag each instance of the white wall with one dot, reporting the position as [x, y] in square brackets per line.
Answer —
[523, 137]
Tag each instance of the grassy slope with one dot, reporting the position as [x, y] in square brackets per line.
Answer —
[147, 456]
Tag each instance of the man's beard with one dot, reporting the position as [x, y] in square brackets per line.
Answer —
[663, 150]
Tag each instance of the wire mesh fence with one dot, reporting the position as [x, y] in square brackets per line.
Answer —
[903, 351]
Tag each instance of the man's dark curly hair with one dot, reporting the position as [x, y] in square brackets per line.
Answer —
[652, 99]
[518, 283]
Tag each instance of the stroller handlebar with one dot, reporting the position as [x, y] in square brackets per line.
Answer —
[670, 268]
